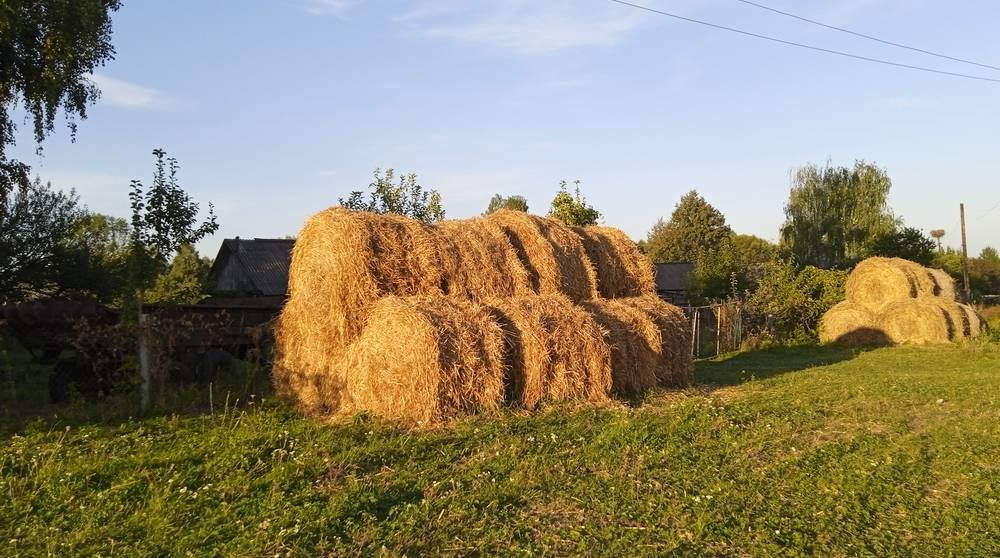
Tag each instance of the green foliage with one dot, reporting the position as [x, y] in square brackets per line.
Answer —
[93, 260]
[48, 48]
[694, 228]
[788, 303]
[734, 267]
[184, 282]
[809, 451]
[35, 223]
[572, 209]
[408, 198]
[907, 242]
[984, 271]
[514, 203]
[165, 217]
[834, 214]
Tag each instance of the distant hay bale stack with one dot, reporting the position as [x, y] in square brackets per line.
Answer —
[427, 359]
[621, 267]
[552, 254]
[944, 284]
[555, 349]
[851, 324]
[636, 344]
[977, 324]
[675, 365]
[481, 261]
[916, 322]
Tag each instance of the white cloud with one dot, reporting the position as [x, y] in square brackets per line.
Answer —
[905, 103]
[525, 26]
[337, 8]
[126, 94]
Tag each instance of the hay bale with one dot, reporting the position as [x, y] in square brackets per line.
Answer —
[977, 324]
[552, 254]
[621, 268]
[426, 359]
[877, 282]
[675, 365]
[851, 324]
[915, 322]
[307, 366]
[481, 264]
[635, 341]
[944, 284]
[556, 351]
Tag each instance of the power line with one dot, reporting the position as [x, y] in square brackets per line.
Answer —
[805, 46]
[869, 37]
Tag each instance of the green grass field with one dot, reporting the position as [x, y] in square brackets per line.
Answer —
[785, 452]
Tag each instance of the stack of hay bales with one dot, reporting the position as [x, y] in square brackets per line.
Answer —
[892, 301]
[428, 322]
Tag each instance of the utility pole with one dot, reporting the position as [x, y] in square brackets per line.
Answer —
[965, 258]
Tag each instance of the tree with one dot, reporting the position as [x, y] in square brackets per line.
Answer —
[184, 283]
[573, 209]
[408, 198]
[35, 222]
[515, 203]
[694, 227]
[92, 262]
[164, 218]
[48, 48]
[835, 213]
[907, 243]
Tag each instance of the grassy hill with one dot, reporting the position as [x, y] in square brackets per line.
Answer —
[893, 452]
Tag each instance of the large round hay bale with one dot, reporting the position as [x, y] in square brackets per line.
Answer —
[977, 324]
[556, 351]
[877, 282]
[944, 284]
[344, 261]
[481, 262]
[851, 324]
[635, 342]
[959, 324]
[915, 322]
[308, 366]
[552, 254]
[621, 267]
[675, 365]
[427, 359]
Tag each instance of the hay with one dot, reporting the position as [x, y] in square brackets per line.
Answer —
[556, 351]
[675, 365]
[944, 284]
[916, 322]
[621, 268]
[427, 359]
[851, 324]
[635, 342]
[977, 324]
[877, 282]
[481, 262]
[552, 254]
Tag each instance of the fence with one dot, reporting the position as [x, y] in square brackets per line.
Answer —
[715, 329]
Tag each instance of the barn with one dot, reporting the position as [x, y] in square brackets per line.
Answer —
[673, 280]
[251, 271]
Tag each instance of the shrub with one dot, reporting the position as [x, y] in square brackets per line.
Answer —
[788, 304]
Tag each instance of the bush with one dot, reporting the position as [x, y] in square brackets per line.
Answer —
[787, 304]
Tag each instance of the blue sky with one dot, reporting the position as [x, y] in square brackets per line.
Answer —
[276, 108]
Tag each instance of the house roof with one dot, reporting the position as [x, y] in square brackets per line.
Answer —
[264, 262]
[673, 276]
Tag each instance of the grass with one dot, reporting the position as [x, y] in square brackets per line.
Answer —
[785, 452]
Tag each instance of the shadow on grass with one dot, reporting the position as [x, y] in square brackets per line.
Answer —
[740, 367]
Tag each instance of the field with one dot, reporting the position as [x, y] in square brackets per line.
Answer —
[892, 452]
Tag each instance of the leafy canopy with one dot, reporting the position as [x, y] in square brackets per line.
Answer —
[184, 282]
[572, 209]
[35, 223]
[907, 242]
[834, 214]
[514, 203]
[694, 228]
[48, 48]
[407, 198]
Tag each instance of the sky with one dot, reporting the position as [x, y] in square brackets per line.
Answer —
[276, 108]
